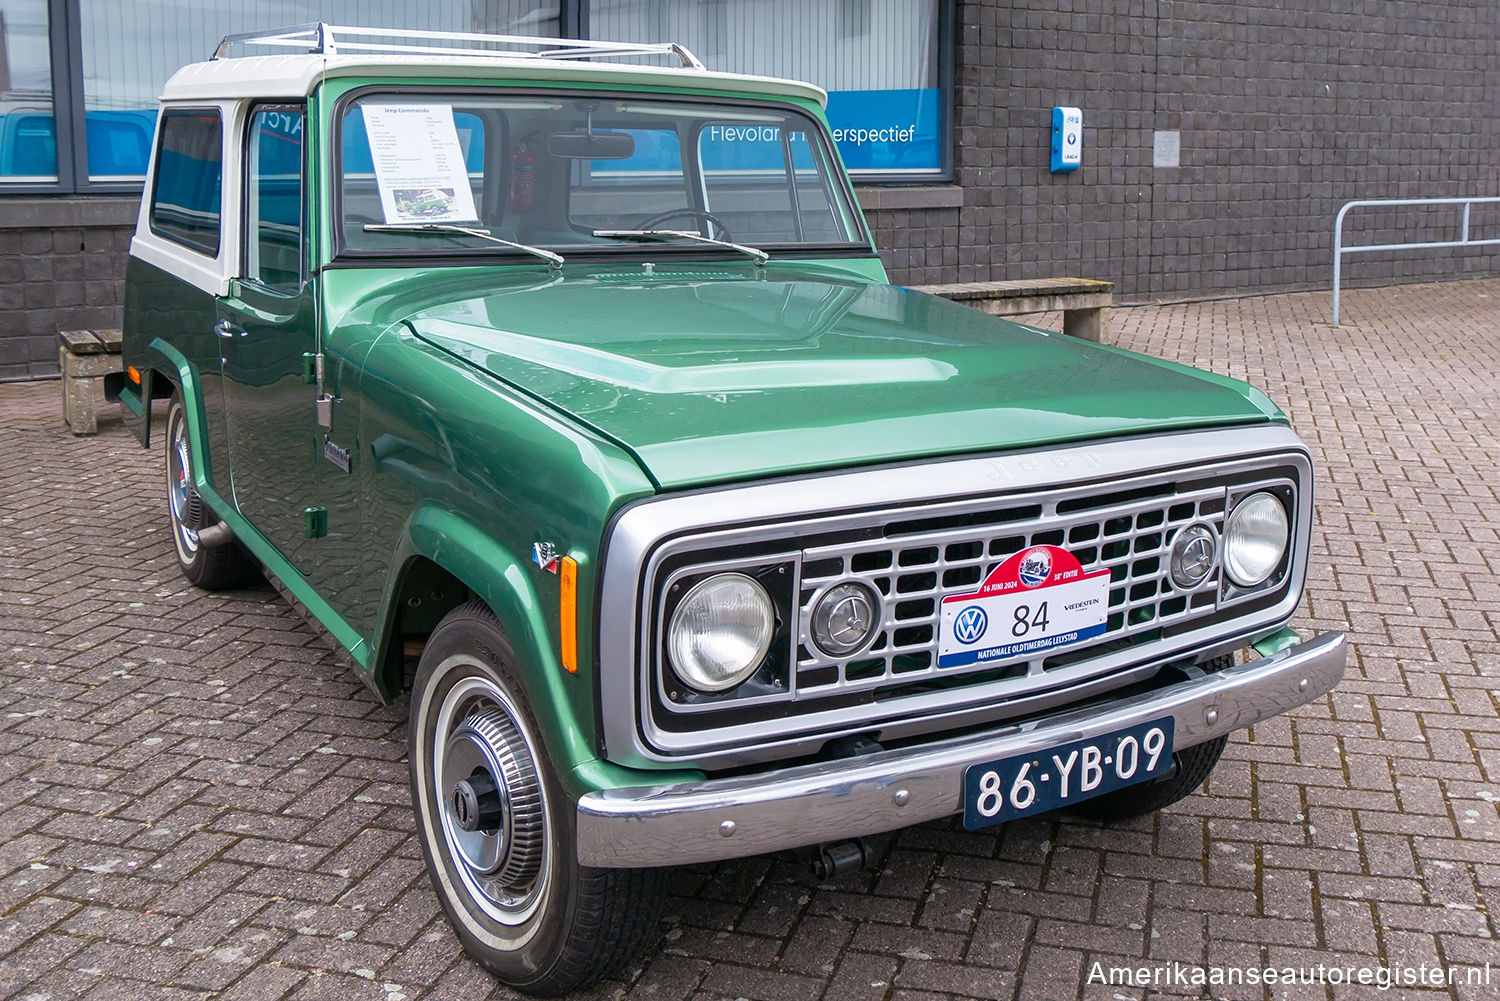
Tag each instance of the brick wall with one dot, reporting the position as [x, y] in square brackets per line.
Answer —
[62, 267]
[1282, 114]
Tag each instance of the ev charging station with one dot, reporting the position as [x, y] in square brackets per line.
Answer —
[1067, 139]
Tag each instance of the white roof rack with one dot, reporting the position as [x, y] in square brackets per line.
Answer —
[328, 39]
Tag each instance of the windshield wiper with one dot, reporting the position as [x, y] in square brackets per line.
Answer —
[554, 261]
[761, 257]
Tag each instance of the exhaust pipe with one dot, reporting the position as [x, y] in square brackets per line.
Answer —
[215, 535]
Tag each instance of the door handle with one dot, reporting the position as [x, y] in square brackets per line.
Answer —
[226, 329]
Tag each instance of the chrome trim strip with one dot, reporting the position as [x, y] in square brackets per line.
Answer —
[762, 511]
[851, 797]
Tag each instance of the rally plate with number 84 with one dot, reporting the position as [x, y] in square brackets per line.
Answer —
[1025, 784]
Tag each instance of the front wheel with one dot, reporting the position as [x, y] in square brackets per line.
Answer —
[497, 830]
[1193, 765]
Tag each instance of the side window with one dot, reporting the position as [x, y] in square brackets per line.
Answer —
[273, 197]
[822, 218]
[768, 182]
[189, 175]
[745, 179]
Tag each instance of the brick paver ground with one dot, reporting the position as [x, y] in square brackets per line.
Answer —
[195, 798]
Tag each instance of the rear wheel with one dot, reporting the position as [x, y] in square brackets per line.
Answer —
[498, 831]
[213, 568]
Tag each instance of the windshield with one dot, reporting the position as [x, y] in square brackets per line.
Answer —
[433, 174]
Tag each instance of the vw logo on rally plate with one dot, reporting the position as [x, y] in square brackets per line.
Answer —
[970, 625]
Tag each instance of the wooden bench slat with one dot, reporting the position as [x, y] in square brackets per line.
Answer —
[961, 291]
[1036, 303]
[81, 342]
[91, 342]
[1083, 301]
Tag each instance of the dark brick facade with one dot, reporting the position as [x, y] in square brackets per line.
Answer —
[62, 267]
[1283, 114]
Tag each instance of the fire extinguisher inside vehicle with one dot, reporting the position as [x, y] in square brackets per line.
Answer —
[522, 179]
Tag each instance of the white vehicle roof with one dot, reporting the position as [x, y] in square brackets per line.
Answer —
[339, 52]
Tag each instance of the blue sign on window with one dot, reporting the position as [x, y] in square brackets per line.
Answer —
[887, 130]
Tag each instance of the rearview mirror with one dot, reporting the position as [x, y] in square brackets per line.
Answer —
[592, 145]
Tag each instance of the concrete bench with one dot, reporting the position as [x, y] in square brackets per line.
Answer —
[1083, 301]
[86, 357]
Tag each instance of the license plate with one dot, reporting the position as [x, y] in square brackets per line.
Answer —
[1025, 784]
[1037, 600]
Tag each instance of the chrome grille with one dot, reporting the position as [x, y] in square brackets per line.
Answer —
[915, 565]
[929, 531]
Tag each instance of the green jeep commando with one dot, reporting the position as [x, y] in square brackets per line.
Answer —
[560, 383]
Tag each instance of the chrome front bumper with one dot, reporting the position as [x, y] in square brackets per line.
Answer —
[849, 797]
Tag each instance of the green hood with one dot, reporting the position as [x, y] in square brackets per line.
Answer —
[719, 373]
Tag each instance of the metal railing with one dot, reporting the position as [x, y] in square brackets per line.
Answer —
[1339, 250]
[330, 39]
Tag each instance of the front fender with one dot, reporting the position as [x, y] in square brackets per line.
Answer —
[502, 579]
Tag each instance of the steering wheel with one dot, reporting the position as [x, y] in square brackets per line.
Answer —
[662, 217]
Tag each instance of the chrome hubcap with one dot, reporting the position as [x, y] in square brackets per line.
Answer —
[490, 801]
[180, 494]
[477, 805]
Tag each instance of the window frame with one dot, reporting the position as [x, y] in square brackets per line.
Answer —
[70, 126]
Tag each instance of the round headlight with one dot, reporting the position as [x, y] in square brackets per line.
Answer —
[720, 632]
[844, 619]
[1255, 539]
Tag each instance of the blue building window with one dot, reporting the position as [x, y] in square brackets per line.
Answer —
[79, 80]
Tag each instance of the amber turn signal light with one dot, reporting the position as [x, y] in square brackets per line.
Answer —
[568, 618]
